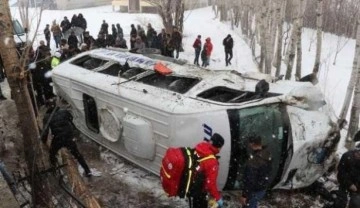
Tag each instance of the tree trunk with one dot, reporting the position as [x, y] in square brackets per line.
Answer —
[299, 40]
[280, 21]
[19, 92]
[77, 182]
[355, 110]
[292, 45]
[319, 16]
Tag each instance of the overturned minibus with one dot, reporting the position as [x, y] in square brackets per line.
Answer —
[139, 105]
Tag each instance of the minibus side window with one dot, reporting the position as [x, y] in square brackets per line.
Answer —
[91, 115]
[89, 62]
[265, 121]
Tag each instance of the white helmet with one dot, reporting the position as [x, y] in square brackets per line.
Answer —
[57, 54]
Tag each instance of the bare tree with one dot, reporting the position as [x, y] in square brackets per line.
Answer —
[171, 13]
[355, 109]
[299, 39]
[319, 17]
[16, 76]
[292, 45]
[281, 5]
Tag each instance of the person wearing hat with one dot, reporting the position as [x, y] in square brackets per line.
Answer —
[205, 179]
[257, 173]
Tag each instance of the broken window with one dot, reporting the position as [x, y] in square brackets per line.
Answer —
[173, 83]
[132, 72]
[89, 62]
[228, 95]
[268, 121]
[114, 70]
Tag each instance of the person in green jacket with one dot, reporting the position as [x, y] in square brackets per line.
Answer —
[55, 59]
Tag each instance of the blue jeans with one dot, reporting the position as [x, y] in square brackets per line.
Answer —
[254, 198]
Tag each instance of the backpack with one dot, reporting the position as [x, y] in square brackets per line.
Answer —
[178, 169]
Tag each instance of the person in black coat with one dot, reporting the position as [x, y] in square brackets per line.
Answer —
[349, 179]
[65, 25]
[228, 43]
[72, 40]
[176, 37]
[47, 35]
[82, 22]
[114, 31]
[133, 35]
[63, 131]
[104, 28]
[257, 173]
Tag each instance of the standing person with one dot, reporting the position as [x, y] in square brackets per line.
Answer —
[104, 28]
[65, 26]
[205, 179]
[83, 25]
[63, 131]
[208, 47]
[162, 40]
[170, 46]
[150, 34]
[177, 40]
[197, 47]
[47, 35]
[228, 43]
[119, 30]
[133, 35]
[56, 30]
[82, 22]
[257, 172]
[72, 40]
[348, 178]
[113, 31]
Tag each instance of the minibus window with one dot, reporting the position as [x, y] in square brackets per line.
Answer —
[89, 62]
[265, 121]
[91, 114]
[228, 95]
[173, 83]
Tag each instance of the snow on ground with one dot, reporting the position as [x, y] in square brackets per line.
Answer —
[333, 78]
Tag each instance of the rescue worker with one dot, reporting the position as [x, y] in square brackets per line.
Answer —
[55, 59]
[256, 178]
[205, 180]
[63, 131]
[348, 178]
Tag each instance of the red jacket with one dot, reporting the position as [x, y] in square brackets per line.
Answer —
[209, 46]
[197, 43]
[209, 167]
